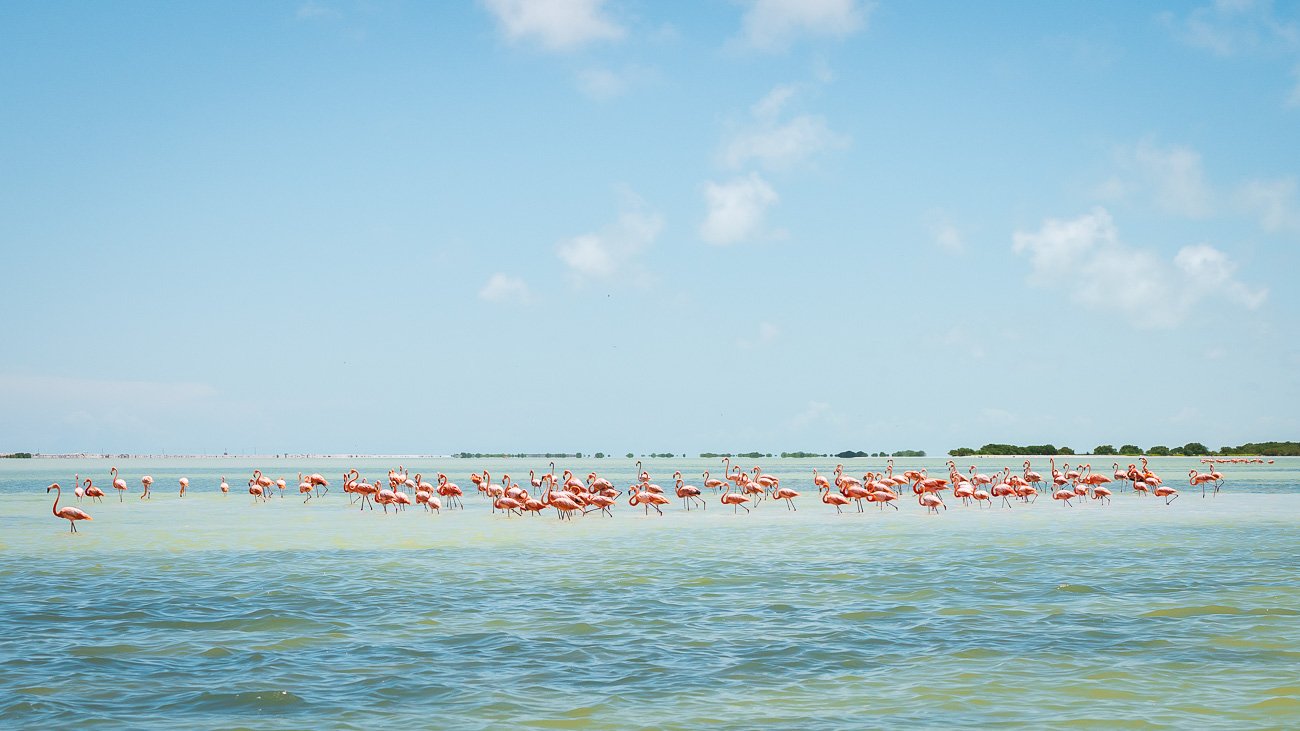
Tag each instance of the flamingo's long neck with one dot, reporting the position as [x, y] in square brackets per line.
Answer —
[57, 493]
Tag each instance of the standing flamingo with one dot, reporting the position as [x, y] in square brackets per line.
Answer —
[184, 483]
[735, 499]
[225, 486]
[94, 492]
[67, 512]
[118, 484]
[833, 498]
[77, 489]
[786, 494]
[146, 482]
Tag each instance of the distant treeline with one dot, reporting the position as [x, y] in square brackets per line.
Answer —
[521, 455]
[1190, 449]
[17, 455]
[848, 454]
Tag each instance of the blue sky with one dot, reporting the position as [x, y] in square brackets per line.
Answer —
[621, 225]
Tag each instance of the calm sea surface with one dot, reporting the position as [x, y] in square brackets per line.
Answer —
[214, 612]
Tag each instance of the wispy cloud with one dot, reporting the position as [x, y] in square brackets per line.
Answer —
[772, 25]
[736, 209]
[778, 143]
[1273, 202]
[1085, 257]
[556, 25]
[317, 11]
[603, 84]
[1230, 27]
[613, 250]
[502, 287]
[946, 234]
[1172, 178]
[767, 333]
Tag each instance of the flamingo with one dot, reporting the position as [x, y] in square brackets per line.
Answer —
[451, 491]
[734, 499]
[118, 484]
[1166, 492]
[931, 502]
[225, 487]
[786, 494]
[146, 482]
[67, 512]
[689, 493]
[833, 498]
[647, 498]
[77, 489]
[565, 504]
[184, 483]
[1032, 477]
[94, 492]
[1064, 495]
[304, 487]
[713, 482]
[318, 481]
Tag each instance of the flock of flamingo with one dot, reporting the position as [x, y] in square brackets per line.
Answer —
[743, 489]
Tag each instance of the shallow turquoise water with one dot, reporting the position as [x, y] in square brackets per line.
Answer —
[213, 612]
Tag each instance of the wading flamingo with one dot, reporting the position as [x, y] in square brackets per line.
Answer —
[94, 492]
[118, 484]
[67, 512]
[225, 486]
[833, 498]
[184, 483]
[734, 499]
[146, 482]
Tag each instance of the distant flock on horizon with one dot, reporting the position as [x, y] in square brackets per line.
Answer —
[738, 487]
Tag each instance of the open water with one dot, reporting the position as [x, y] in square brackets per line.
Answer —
[215, 612]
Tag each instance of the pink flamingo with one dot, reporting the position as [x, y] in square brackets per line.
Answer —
[305, 487]
[94, 492]
[1166, 492]
[67, 512]
[78, 490]
[689, 493]
[451, 491]
[931, 502]
[147, 482]
[318, 481]
[118, 484]
[734, 499]
[647, 498]
[786, 494]
[833, 498]
[225, 486]
[184, 483]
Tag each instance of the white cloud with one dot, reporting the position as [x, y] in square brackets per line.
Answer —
[767, 333]
[602, 83]
[1085, 257]
[1229, 27]
[316, 11]
[1274, 202]
[782, 145]
[505, 288]
[770, 106]
[946, 234]
[771, 25]
[557, 25]
[777, 144]
[611, 252]
[1175, 178]
[736, 209]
